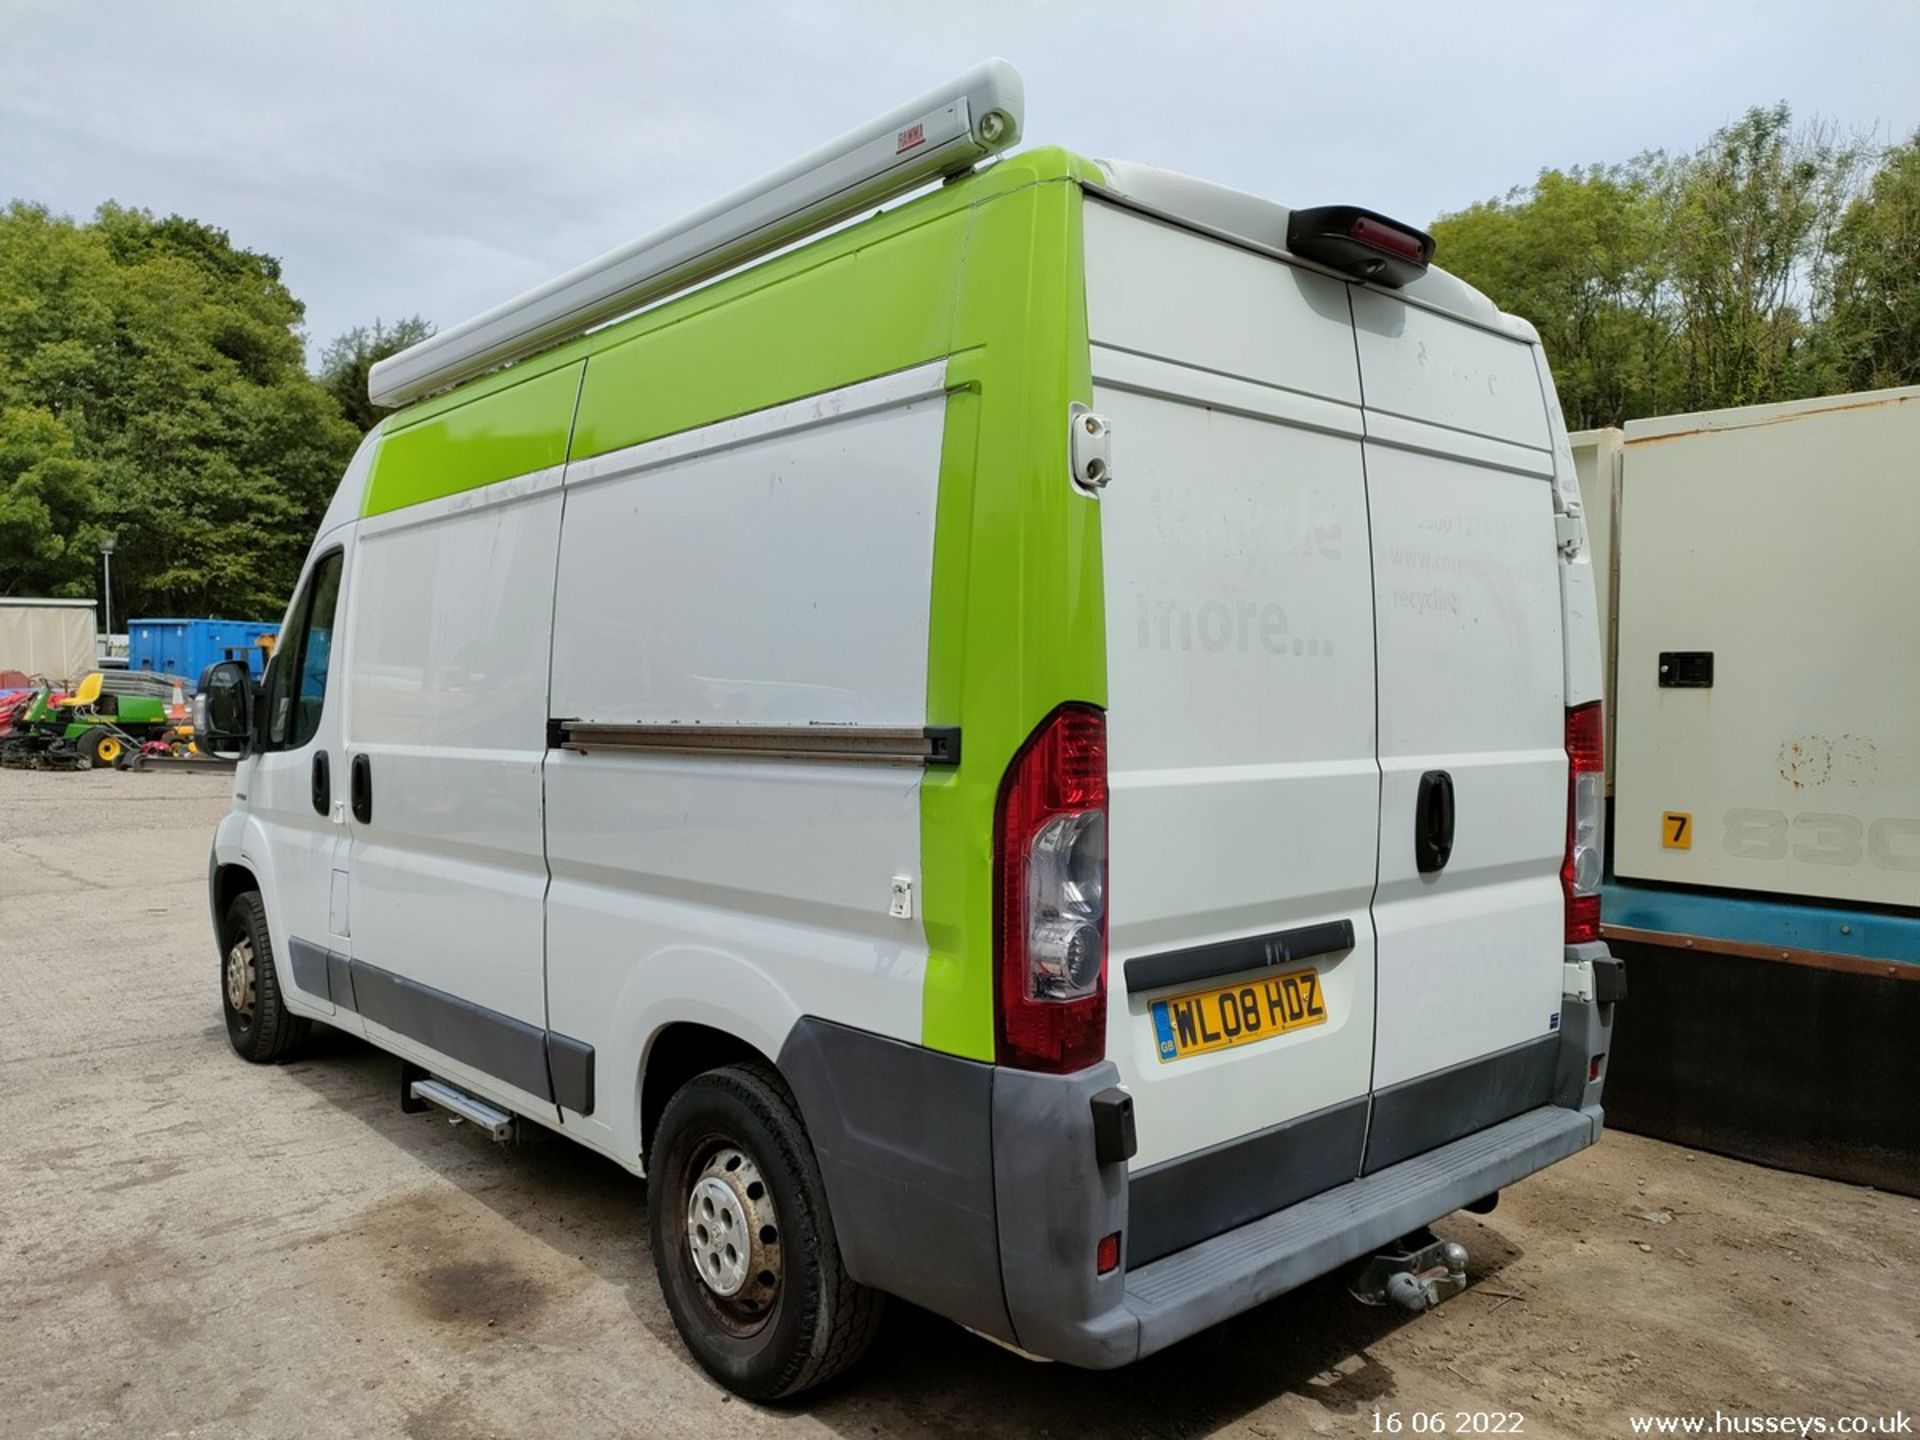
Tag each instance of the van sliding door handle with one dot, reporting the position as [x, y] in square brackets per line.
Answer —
[1433, 822]
[322, 783]
[360, 784]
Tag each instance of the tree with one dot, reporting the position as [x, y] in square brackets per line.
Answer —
[1673, 284]
[1748, 222]
[158, 369]
[345, 363]
[1873, 337]
[46, 503]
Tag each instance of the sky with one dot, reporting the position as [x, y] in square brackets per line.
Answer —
[436, 157]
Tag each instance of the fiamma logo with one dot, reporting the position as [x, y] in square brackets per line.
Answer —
[908, 138]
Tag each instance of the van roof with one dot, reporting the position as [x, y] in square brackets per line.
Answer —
[1259, 224]
[1201, 205]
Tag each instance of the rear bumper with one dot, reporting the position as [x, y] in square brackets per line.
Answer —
[978, 1193]
[1206, 1283]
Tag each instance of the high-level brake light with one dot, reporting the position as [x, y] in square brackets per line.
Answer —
[1586, 822]
[947, 130]
[1050, 896]
[1360, 243]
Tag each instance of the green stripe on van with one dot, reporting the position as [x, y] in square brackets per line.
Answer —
[1017, 626]
[507, 431]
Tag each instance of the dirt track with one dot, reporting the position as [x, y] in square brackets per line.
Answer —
[189, 1245]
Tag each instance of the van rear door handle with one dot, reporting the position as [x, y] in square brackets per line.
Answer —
[360, 784]
[322, 783]
[1433, 822]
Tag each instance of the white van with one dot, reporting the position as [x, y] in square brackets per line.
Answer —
[1036, 753]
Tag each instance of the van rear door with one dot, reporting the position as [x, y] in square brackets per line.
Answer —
[1244, 805]
[1472, 725]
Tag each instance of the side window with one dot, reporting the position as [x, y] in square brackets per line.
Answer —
[297, 689]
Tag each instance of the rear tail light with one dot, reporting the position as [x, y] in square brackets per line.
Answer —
[1586, 822]
[1106, 1255]
[1050, 896]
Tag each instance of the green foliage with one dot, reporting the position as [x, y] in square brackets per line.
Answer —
[344, 366]
[45, 503]
[1873, 329]
[153, 388]
[1672, 284]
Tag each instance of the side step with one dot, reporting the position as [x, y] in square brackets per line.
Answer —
[419, 1090]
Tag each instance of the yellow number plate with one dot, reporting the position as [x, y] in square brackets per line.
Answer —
[1240, 1014]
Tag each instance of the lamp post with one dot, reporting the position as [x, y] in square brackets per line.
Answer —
[106, 589]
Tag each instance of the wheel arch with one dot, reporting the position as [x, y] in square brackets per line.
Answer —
[678, 1051]
[225, 884]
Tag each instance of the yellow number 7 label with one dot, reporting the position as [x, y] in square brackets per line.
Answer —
[1676, 830]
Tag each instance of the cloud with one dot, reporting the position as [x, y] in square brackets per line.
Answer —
[440, 157]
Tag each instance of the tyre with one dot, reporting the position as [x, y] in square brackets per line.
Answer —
[259, 1024]
[743, 1243]
[102, 747]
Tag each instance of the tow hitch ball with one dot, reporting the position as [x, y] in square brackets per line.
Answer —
[1416, 1273]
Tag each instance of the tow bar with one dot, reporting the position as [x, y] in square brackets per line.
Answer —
[1416, 1273]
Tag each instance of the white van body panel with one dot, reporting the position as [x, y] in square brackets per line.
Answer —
[1245, 792]
[772, 570]
[1468, 611]
[1424, 365]
[448, 631]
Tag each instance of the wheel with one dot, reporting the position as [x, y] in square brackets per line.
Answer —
[259, 1024]
[100, 746]
[743, 1243]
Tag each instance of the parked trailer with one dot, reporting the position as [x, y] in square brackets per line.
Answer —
[1764, 761]
[52, 639]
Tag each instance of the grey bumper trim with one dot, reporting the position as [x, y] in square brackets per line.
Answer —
[1429, 1110]
[1172, 1298]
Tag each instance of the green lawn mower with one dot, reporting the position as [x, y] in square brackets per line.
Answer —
[85, 729]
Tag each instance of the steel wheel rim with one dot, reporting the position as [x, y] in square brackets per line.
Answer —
[240, 978]
[109, 750]
[732, 1237]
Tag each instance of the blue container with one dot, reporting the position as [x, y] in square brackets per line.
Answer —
[186, 647]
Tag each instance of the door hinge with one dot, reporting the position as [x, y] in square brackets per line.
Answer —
[1091, 448]
[1569, 534]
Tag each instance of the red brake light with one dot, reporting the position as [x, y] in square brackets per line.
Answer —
[1050, 880]
[1580, 871]
[1106, 1256]
[1369, 231]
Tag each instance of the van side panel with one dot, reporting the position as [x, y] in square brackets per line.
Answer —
[808, 323]
[449, 603]
[768, 570]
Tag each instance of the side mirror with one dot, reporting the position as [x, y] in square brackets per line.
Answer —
[223, 709]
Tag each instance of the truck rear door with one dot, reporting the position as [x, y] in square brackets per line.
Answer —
[1245, 791]
[1469, 912]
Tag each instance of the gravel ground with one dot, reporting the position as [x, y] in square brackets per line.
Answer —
[190, 1245]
